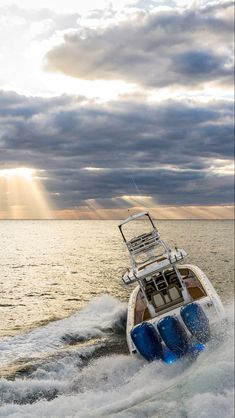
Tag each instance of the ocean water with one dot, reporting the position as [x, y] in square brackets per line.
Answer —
[62, 325]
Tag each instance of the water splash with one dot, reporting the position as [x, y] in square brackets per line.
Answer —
[117, 385]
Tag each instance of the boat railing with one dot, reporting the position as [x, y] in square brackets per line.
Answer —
[156, 265]
[143, 242]
[168, 258]
[127, 279]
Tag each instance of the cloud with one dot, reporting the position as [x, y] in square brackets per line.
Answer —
[177, 152]
[154, 49]
[34, 24]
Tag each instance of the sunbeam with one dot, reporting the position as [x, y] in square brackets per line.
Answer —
[22, 195]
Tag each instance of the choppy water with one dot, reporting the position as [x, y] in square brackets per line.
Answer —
[62, 317]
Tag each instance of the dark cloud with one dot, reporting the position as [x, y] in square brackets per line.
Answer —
[199, 62]
[156, 49]
[166, 186]
[170, 148]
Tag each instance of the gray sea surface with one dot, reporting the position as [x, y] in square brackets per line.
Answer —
[63, 308]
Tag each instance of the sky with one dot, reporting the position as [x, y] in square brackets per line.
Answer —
[110, 105]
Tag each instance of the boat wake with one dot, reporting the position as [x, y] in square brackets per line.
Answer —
[79, 367]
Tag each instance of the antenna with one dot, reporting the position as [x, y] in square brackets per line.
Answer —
[138, 191]
[137, 188]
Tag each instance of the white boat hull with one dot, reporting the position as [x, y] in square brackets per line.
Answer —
[210, 303]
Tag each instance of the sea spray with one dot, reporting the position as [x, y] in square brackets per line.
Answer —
[116, 384]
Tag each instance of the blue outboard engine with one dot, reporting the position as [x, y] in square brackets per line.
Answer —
[173, 335]
[147, 341]
[196, 321]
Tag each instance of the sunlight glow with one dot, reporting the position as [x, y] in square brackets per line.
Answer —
[157, 212]
[222, 167]
[141, 201]
[22, 195]
[21, 172]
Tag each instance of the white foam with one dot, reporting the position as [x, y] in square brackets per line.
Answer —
[214, 405]
[125, 386]
[102, 313]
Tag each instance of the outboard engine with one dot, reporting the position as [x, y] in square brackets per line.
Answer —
[196, 321]
[173, 335]
[147, 341]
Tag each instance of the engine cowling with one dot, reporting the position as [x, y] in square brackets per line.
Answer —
[173, 335]
[196, 321]
[147, 341]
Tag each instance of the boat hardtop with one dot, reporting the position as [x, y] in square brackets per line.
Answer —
[158, 256]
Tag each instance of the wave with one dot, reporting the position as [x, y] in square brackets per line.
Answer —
[103, 314]
[116, 385]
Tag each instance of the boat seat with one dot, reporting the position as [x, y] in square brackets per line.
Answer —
[172, 297]
[194, 287]
[172, 278]
[158, 299]
[174, 292]
[196, 292]
[149, 289]
[146, 315]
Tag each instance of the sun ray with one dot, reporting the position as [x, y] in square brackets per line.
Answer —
[23, 195]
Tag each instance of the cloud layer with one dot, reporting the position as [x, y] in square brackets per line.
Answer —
[178, 153]
[154, 49]
[89, 154]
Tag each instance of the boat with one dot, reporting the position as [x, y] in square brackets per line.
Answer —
[173, 306]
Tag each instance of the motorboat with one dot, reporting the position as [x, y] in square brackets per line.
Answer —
[173, 306]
